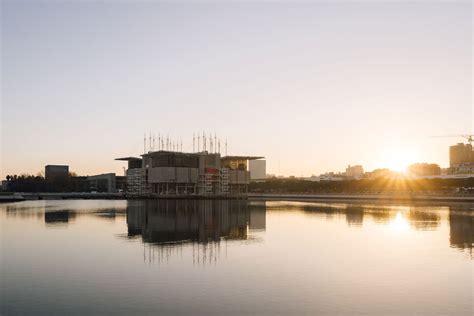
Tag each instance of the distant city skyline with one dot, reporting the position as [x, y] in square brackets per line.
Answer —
[313, 87]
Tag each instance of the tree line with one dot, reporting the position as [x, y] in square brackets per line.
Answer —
[37, 183]
[365, 186]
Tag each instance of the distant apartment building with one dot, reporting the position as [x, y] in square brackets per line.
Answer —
[461, 158]
[460, 154]
[56, 173]
[258, 169]
[354, 171]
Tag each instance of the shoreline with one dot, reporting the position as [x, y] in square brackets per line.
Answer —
[18, 197]
[362, 197]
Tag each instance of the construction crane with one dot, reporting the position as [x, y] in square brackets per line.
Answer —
[468, 137]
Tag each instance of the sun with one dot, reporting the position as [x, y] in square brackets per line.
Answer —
[397, 159]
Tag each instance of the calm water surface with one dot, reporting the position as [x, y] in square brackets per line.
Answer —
[235, 257]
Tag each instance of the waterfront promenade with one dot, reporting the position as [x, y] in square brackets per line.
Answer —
[17, 197]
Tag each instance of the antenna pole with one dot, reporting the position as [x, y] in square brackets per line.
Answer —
[204, 140]
[211, 145]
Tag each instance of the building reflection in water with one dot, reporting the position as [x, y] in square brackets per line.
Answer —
[461, 228]
[58, 217]
[417, 217]
[166, 225]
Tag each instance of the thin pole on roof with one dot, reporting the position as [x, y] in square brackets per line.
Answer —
[204, 140]
[149, 144]
[211, 145]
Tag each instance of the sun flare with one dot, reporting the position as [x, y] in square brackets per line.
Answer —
[399, 159]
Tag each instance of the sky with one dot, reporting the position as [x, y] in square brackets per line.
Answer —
[312, 86]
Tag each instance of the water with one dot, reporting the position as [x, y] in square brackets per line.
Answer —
[235, 257]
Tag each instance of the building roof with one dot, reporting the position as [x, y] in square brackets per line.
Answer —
[154, 153]
[128, 158]
[242, 157]
[159, 152]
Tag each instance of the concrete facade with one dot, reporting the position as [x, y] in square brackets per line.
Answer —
[176, 173]
[461, 158]
[53, 173]
[258, 169]
[102, 183]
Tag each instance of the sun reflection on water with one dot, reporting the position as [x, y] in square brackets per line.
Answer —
[399, 223]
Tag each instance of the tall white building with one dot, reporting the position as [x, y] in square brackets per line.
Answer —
[258, 169]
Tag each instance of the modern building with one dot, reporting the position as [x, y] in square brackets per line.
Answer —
[460, 154]
[461, 158]
[120, 183]
[56, 173]
[4, 186]
[102, 183]
[162, 172]
[354, 171]
[258, 169]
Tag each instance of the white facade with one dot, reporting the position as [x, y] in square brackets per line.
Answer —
[258, 169]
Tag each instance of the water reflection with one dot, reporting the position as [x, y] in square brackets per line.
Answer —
[202, 221]
[65, 211]
[354, 215]
[461, 228]
[58, 217]
[166, 225]
[171, 223]
[405, 217]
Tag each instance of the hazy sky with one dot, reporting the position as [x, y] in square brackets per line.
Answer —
[313, 86]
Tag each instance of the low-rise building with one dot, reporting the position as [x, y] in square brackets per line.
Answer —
[102, 183]
[4, 186]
